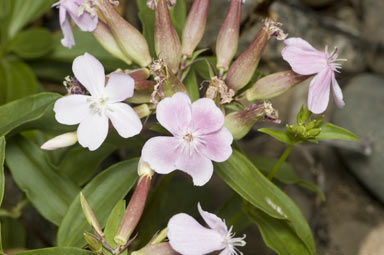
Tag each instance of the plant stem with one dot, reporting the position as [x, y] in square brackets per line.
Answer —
[277, 166]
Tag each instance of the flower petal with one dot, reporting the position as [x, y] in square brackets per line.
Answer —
[213, 221]
[68, 40]
[227, 251]
[174, 113]
[188, 237]
[196, 165]
[161, 153]
[90, 72]
[124, 119]
[71, 110]
[206, 116]
[92, 131]
[302, 57]
[86, 22]
[217, 146]
[337, 93]
[120, 86]
[318, 95]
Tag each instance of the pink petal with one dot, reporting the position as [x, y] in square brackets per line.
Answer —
[302, 57]
[68, 40]
[213, 221]
[71, 109]
[85, 22]
[188, 237]
[318, 95]
[161, 153]
[217, 146]
[337, 93]
[92, 131]
[174, 113]
[124, 119]
[206, 116]
[196, 165]
[120, 86]
[90, 72]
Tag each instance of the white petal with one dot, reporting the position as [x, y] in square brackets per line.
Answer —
[217, 145]
[120, 86]
[318, 95]
[226, 251]
[188, 237]
[90, 72]
[213, 221]
[337, 93]
[92, 131]
[71, 109]
[124, 119]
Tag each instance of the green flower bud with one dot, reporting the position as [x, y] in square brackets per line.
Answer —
[90, 215]
[94, 244]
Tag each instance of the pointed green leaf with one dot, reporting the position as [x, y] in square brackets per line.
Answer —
[2, 158]
[190, 83]
[57, 251]
[279, 135]
[50, 193]
[113, 224]
[147, 18]
[178, 15]
[102, 194]
[331, 131]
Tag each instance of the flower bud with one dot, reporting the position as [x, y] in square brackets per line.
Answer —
[139, 74]
[142, 111]
[158, 249]
[104, 36]
[194, 26]
[61, 141]
[274, 85]
[240, 123]
[90, 215]
[242, 70]
[132, 43]
[227, 40]
[159, 237]
[303, 115]
[167, 42]
[94, 244]
[134, 210]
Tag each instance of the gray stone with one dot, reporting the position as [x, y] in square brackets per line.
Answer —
[363, 114]
[317, 3]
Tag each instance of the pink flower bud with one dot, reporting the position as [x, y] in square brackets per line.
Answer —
[194, 26]
[132, 43]
[158, 249]
[227, 40]
[242, 70]
[167, 42]
[274, 85]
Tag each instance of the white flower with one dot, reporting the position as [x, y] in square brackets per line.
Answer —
[105, 103]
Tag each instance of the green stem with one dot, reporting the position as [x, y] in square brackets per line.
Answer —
[280, 162]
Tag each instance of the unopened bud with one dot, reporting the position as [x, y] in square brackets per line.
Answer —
[172, 85]
[144, 169]
[194, 26]
[142, 110]
[274, 85]
[167, 42]
[303, 116]
[242, 70]
[131, 42]
[139, 74]
[105, 37]
[240, 123]
[90, 215]
[94, 244]
[159, 237]
[227, 40]
[61, 141]
[156, 249]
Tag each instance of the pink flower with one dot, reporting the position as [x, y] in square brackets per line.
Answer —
[188, 237]
[199, 136]
[105, 103]
[306, 60]
[83, 13]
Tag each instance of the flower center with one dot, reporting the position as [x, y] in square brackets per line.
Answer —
[332, 59]
[87, 6]
[231, 241]
[98, 104]
[188, 137]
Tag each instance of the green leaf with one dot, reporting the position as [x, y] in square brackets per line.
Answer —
[331, 131]
[1, 243]
[190, 83]
[277, 234]
[25, 11]
[32, 43]
[57, 251]
[34, 174]
[279, 135]
[147, 18]
[16, 80]
[80, 164]
[2, 158]
[113, 224]
[102, 194]
[25, 110]
[13, 234]
[206, 67]
[178, 15]
[245, 179]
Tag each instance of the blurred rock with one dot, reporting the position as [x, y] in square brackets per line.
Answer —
[317, 3]
[373, 20]
[363, 115]
[373, 243]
